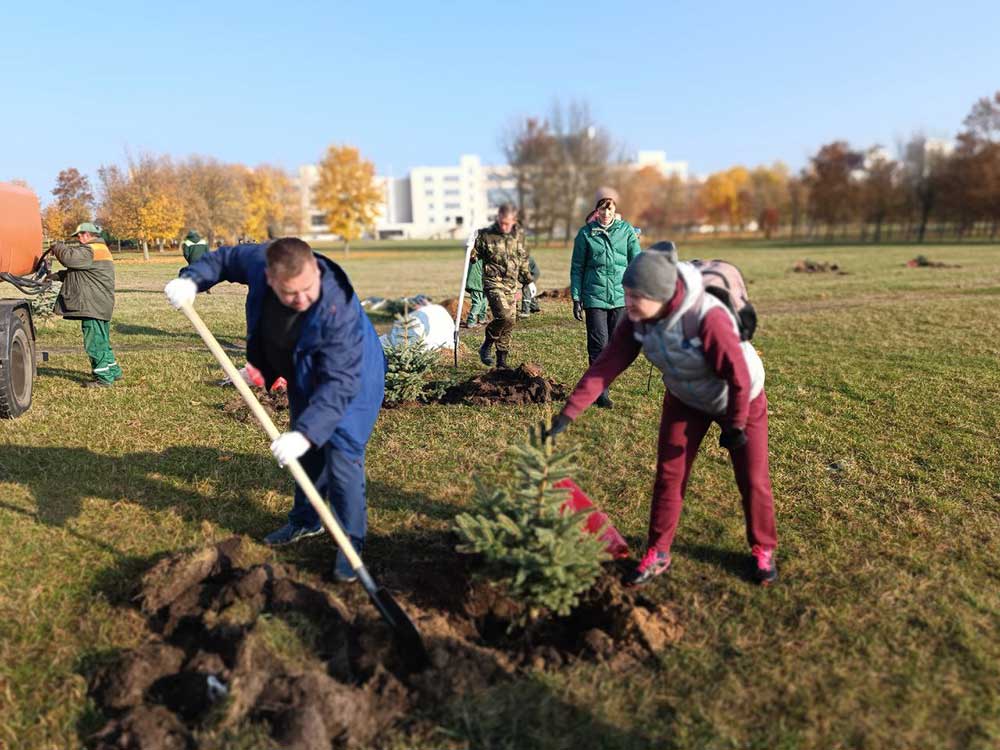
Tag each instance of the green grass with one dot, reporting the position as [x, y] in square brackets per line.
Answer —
[881, 633]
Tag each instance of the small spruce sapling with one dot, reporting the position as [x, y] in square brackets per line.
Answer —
[540, 553]
[407, 366]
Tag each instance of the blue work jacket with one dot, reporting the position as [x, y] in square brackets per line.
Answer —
[339, 381]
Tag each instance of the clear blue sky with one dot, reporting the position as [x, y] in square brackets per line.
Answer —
[714, 84]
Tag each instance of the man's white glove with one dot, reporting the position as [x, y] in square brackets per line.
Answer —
[180, 292]
[290, 445]
[532, 289]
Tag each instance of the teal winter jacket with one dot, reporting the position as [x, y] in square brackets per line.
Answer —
[600, 257]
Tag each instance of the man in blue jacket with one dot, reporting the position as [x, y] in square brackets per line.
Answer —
[305, 323]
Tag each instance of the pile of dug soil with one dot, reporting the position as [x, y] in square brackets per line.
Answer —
[238, 644]
[921, 261]
[451, 305]
[525, 385]
[815, 266]
[275, 404]
[563, 293]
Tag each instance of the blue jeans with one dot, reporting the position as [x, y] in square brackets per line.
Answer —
[340, 479]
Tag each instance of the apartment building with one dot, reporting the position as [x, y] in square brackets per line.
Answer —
[443, 202]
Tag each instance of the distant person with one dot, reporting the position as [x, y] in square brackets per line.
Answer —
[529, 299]
[193, 247]
[88, 295]
[603, 248]
[477, 299]
[500, 247]
[305, 324]
[718, 379]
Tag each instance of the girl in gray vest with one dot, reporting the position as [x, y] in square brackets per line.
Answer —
[710, 376]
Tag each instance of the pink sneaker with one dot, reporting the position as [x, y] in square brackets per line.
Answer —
[765, 570]
[653, 564]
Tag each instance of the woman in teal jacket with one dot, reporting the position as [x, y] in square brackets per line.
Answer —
[603, 248]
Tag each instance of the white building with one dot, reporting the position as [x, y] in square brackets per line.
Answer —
[444, 202]
[429, 203]
[658, 160]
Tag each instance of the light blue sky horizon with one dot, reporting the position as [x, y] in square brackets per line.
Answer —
[421, 84]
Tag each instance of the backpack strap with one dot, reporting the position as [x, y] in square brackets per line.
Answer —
[691, 320]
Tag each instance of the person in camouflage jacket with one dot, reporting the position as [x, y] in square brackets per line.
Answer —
[500, 247]
[88, 295]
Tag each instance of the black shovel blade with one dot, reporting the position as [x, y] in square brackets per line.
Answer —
[408, 640]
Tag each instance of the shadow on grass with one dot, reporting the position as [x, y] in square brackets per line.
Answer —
[527, 713]
[74, 376]
[60, 479]
[731, 561]
[411, 559]
[128, 329]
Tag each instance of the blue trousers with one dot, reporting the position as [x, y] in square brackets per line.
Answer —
[340, 479]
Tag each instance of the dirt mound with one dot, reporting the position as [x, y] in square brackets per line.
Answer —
[815, 266]
[922, 261]
[275, 404]
[237, 644]
[563, 293]
[451, 305]
[526, 384]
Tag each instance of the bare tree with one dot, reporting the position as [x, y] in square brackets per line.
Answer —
[74, 198]
[923, 166]
[533, 154]
[880, 194]
[213, 197]
[585, 150]
[833, 193]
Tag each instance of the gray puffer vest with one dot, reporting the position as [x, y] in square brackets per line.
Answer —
[686, 373]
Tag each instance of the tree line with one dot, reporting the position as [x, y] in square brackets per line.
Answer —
[844, 192]
[154, 200]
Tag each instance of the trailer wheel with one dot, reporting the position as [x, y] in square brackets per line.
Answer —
[17, 365]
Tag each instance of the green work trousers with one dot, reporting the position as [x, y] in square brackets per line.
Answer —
[477, 307]
[97, 344]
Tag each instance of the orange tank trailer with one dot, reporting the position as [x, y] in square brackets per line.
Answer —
[20, 230]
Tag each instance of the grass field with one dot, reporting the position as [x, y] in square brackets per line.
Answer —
[882, 632]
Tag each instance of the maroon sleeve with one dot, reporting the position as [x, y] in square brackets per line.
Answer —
[725, 356]
[620, 352]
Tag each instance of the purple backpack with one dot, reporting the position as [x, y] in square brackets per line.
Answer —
[725, 282]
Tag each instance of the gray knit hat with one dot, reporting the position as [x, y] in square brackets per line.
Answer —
[653, 274]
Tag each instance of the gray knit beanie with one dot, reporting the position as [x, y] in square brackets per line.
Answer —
[652, 274]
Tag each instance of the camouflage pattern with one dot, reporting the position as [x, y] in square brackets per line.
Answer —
[504, 310]
[505, 269]
[504, 257]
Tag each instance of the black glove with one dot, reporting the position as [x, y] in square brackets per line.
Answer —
[559, 423]
[577, 309]
[732, 438]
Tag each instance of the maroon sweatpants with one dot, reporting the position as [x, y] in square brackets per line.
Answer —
[681, 432]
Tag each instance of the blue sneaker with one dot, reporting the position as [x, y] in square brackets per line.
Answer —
[291, 533]
[342, 569]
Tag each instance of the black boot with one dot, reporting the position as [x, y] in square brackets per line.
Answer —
[604, 401]
[502, 360]
[484, 353]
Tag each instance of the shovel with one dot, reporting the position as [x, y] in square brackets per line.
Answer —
[411, 647]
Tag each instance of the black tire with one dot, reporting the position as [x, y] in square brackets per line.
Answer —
[17, 364]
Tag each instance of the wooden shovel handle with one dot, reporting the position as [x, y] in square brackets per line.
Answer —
[302, 479]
